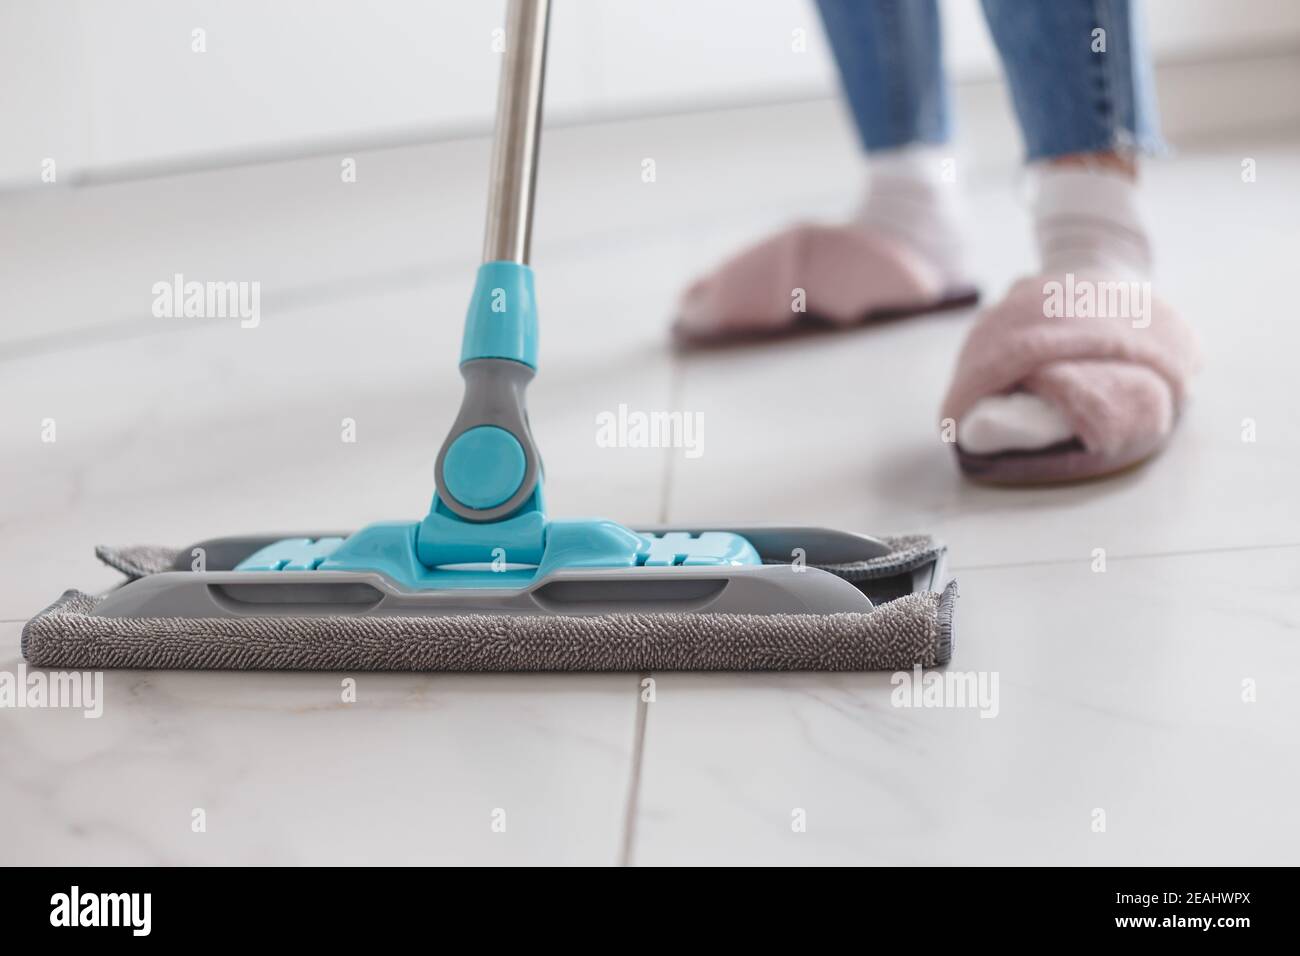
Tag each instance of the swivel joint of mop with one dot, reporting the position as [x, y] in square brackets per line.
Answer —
[488, 473]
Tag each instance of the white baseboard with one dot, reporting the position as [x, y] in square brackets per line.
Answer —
[1200, 98]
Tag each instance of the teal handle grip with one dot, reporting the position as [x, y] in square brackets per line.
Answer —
[502, 319]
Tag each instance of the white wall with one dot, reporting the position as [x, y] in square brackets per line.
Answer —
[104, 86]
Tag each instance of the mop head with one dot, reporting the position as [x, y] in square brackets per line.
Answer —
[906, 626]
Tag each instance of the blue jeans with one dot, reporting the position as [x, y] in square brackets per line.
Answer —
[1069, 96]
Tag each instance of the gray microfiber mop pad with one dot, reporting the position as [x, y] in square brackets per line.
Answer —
[900, 632]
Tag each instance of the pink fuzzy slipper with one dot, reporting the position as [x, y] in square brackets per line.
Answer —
[812, 275]
[1119, 375]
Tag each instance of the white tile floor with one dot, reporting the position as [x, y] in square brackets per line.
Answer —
[1120, 691]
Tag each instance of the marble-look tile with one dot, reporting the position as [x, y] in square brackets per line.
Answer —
[287, 773]
[1120, 691]
[1117, 690]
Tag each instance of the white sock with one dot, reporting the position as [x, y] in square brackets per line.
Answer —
[1086, 221]
[911, 196]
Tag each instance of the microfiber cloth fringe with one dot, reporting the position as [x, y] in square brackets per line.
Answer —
[912, 629]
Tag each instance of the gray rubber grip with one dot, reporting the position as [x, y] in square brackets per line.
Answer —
[494, 395]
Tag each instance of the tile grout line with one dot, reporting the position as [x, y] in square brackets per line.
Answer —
[311, 293]
[675, 390]
[642, 707]
[1136, 556]
[628, 847]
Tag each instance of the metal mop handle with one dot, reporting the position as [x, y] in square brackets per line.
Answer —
[518, 132]
[488, 468]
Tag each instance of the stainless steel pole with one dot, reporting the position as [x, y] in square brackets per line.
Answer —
[518, 132]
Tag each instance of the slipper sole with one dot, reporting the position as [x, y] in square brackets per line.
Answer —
[1060, 464]
[807, 324]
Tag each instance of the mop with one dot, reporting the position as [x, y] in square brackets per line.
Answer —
[486, 581]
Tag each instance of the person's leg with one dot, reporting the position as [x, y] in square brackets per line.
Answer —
[1081, 86]
[902, 250]
[1079, 74]
[890, 59]
[889, 56]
